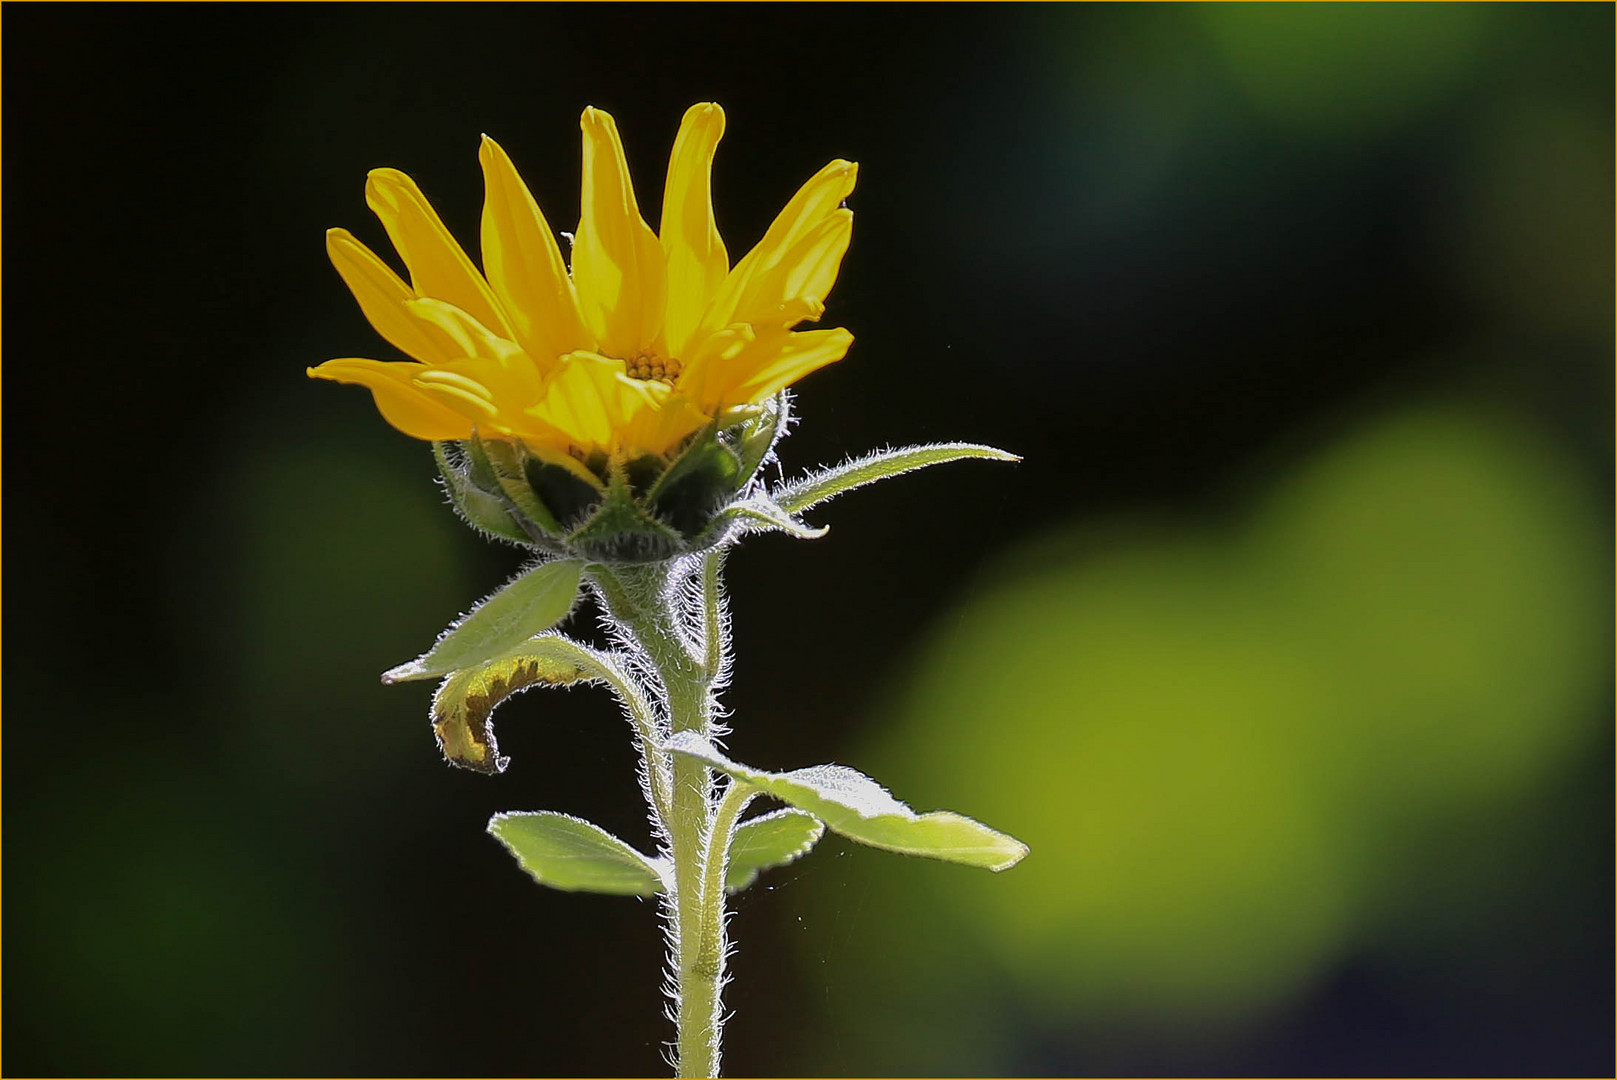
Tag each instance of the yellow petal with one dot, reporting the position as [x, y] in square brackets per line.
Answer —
[380, 293]
[401, 403]
[459, 335]
[438, 267]
[814, 202]
[778, 365]
[658, 430]
[618, 265]
[803, 276]
[754, 366]
[461, 393]
[591, 400]
[697, 261]
[525, 266]
[703, 379]
[504, 391]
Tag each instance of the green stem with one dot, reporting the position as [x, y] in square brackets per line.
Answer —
[714, 948]
[637, 597]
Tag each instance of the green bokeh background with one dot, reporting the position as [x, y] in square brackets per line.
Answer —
[1286, 648]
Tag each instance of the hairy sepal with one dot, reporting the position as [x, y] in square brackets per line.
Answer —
[485, 512]
[532, 603]
[767, 842]
[828, 483]
[464, 703]
[574, 855]
[505, 467]
[853, 805]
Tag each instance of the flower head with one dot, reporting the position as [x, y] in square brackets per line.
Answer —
[652, 336]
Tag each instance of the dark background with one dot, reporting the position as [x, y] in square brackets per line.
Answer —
[1177, 257]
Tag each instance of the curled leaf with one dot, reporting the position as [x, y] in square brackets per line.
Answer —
[463, 707]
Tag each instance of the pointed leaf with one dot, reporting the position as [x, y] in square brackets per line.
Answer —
[463, 706]
[818, 487]
[769, 841]
[532, 603]
[573, 855]
[854, 805]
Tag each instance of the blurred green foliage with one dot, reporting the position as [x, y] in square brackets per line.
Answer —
[1224, 744]
[341, 561]
[1334, 70]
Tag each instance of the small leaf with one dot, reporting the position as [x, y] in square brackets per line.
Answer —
[769, 841]
[818, 487]
[854, 805]
[531, 604]
[463, 706]
[573, 855]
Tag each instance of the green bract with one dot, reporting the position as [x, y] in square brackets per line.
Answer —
[648, 508]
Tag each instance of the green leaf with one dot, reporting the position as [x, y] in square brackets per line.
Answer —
[573, 855]
[816, 488]
[463, 706]
[769, 841]
[484, 511]
[531, 604]
[854, 805]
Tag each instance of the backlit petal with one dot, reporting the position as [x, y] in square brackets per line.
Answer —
[438, 267]
[775, 295]
[525, 266]
[814, 202]
[503, 393]
[697, 261]
[618, 266]
[380, 293]
[790, 360]
[660, 429]
[404, 405]
[591, 400]
[459, 335]
[766, 363]
[704, 378]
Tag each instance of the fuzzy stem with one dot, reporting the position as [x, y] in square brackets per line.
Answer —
[639, 599]
[714, 630]
[714, 949]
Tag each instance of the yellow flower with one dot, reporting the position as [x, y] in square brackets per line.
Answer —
[651, 336]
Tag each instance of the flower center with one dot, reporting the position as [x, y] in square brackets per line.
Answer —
[648, 365]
